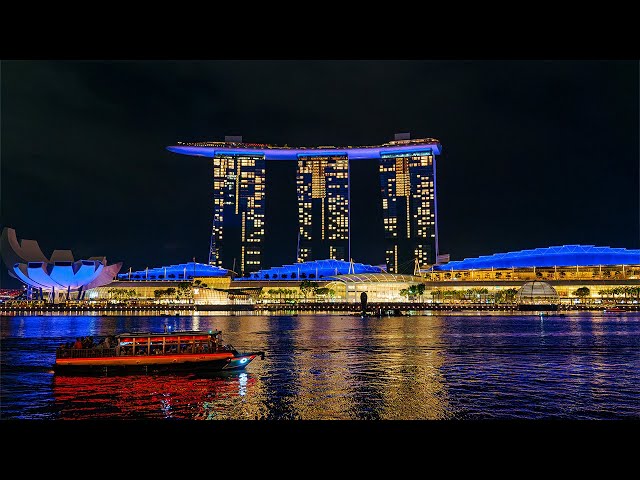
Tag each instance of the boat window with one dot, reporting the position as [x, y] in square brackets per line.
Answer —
[186, 345]
[141, 346]
[157, 345]
[202, 346]
[170, 345]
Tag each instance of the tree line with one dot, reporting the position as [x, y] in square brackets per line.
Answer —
[183, 291]
[306, 287]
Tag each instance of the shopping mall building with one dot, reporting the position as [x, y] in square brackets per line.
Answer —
[609, 274]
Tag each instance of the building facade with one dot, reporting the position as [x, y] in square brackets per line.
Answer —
[408, 187]
[579, 274]
[238, 212]
[322, 186]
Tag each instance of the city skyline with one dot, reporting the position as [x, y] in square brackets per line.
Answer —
[286, 240]
[536, 152]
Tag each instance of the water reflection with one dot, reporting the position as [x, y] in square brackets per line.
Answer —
[324, 346]
[280, 377]
[152, 396]
[344, 367]
[416, 388]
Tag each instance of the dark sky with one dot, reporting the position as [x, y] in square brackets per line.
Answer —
[535, 153]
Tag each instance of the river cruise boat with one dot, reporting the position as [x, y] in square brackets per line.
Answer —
[186, 351]
[615, 309]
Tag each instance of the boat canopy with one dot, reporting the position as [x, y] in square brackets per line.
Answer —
[181, 333]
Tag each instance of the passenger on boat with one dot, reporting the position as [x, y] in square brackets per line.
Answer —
[78, 343]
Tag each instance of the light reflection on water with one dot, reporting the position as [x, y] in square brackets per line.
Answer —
[583, 365]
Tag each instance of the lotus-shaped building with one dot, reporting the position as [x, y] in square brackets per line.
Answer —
[56, 276]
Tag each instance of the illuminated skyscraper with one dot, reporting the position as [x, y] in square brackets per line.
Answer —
[238, 212]
[408, 185]
[323, 207]
[407, 178]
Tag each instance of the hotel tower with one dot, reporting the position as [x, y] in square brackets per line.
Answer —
[407, 187]
[322, 185]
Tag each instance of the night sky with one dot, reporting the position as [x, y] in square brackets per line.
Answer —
[535, 153]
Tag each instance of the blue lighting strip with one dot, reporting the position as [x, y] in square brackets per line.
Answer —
[561, 256]
[293, 153]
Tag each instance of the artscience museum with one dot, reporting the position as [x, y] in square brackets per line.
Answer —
[57, 278]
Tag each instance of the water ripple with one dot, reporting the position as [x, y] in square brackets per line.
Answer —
[483, 366]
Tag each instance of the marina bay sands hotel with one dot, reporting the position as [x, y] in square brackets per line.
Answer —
[407, 183]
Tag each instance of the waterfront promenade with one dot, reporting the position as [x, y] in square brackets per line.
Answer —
[306, 307]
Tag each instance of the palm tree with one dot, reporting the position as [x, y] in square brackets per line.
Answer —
[466, 294]
[616, 291]
[307, 287]
[582, 292]
[628, 291]
[510, 294]
[435, 293]
[481, 292]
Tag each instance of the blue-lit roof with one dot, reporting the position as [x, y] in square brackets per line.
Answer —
[564, 256]
[182, 271]
[272, 152]
[311, 270]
